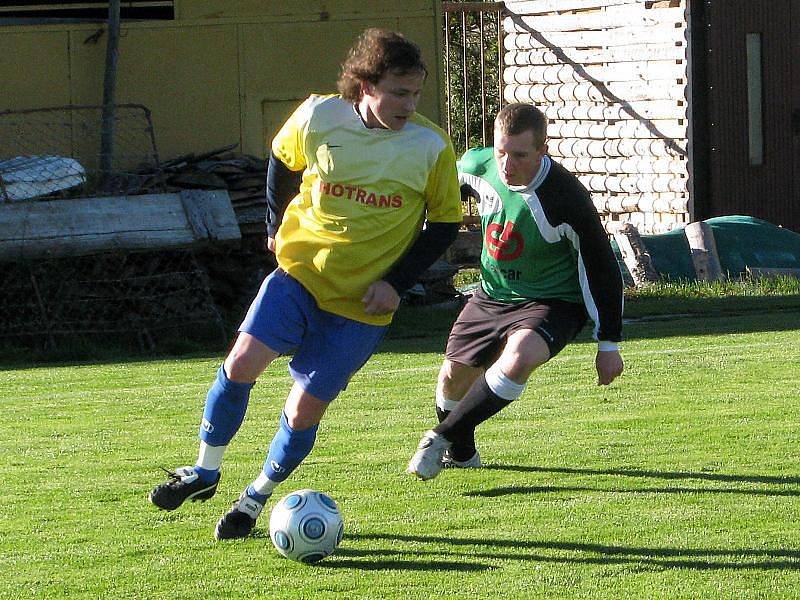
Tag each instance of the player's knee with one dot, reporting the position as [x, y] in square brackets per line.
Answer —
[524, 354]
[247, 359]
[303, 410]
[455, 378]
[237, 368]
[245, 364]
[301, 421]
[445, 374]
[523, 362]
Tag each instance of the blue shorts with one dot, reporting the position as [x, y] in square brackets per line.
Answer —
[328, 348]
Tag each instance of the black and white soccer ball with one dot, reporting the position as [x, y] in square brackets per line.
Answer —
[306, 526]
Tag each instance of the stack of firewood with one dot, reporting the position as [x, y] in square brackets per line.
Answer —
[242, 175]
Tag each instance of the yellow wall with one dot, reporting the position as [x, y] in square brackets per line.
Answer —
[223, 72]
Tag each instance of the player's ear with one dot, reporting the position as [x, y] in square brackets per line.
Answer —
[367, 89]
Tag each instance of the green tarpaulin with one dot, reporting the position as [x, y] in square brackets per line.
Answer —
[741, 242]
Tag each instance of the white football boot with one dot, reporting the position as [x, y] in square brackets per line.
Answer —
[427, 460]
[448, 462]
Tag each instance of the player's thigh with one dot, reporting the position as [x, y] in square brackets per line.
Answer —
[248, 358]
[539, 332]
[456, 378]
[525, 351]
[303, 409]
[475, 337]
[333, 350]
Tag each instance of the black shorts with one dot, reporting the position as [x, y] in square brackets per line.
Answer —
[483, 326]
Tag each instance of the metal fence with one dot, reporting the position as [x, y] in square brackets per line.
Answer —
[473, 58]
[130, 299]
[55, 153]
[116, 299]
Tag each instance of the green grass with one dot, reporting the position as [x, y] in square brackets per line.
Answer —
[682, 480]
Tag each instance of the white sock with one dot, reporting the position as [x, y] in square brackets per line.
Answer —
[443, 403]
[501, 385]
[263, 484]
[210, 457]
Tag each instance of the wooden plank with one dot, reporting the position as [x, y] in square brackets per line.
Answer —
[635, 255]
[620, 147]
[193, 213]
[606, 20]
[646, 109]
[660, 70]
[590, 92]
[633, 53]
[32, 230]
[214, 209]
[704, 251]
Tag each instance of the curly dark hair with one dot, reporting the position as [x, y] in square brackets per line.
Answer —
[375, 52]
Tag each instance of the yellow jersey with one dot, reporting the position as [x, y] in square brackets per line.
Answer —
[364, 196]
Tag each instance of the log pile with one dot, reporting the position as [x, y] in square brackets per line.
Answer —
[611, 76]
[242, 175]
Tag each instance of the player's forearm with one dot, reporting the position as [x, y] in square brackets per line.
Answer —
[282, 186]
[603, 276]
[430, 245]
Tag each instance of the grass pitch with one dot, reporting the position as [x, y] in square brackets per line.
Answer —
[681, 480]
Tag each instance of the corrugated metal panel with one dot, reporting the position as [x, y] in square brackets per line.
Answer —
[768, 190]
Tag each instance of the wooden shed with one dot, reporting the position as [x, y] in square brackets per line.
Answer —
[212, 72]
[669, 110]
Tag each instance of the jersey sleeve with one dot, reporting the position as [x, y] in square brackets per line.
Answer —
[289, 143]
[601, 280]
[442, 193]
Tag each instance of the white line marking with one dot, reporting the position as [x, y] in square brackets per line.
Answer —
[276, 377]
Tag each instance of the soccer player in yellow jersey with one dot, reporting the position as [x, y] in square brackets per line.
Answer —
[352, 179]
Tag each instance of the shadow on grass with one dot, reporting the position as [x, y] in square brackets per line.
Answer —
[425, 330]
[376, 560]
[770, 479]
[583, 553]
[544, 489]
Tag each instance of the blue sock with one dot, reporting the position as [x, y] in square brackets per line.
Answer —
[260, 498]
[288, 449]
[207, 475]
[226, 403]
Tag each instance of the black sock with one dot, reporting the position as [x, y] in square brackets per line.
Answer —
[464, 448]
[477, 405]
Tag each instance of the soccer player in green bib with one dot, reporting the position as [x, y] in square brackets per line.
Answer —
[546, 265]
[351, 180]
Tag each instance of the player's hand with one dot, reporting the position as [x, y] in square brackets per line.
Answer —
[609, 366]
[381, 299]
[270, 244]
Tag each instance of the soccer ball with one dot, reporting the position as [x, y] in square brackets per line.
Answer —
[306, 526]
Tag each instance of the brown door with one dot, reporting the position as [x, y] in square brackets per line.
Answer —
[754, 109]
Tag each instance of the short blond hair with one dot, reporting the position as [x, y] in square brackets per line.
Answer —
[517, 117]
